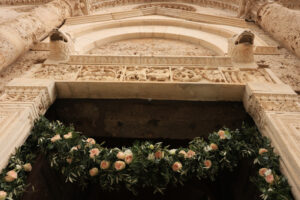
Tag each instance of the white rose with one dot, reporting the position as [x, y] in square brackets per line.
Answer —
[207, 148]
[3, 195]
[151, 156]
[74, 149]
[268, 172]
[128, 152]
[173, 151]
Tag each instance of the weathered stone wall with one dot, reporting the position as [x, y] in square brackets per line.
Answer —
[22, 2]
[282, 23]
[18, 35]
[294, 4]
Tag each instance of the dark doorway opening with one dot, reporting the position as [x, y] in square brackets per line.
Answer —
[121, 122]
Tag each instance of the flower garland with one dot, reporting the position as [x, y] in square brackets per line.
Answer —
[82, 160]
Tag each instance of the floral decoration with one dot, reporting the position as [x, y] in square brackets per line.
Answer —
[82, 160]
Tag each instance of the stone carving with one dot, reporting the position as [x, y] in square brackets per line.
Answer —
[23, 2]
[224, 4]
[38, 96]
[245, 7]
[168, 5]
[196, 74]
[277, 102]
[61, 46]
[259, 104]
[240, 47]
[235, 75]
[101, 73]
[147, 74]
[150, 61]
[82, 7]
[56, 72]
[176, 73]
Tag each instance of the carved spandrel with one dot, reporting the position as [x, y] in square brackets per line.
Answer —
[101, 73]
[147, 74]
[57, 72]
[196, 74]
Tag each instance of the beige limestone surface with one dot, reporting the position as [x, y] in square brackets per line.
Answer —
[152, 47]
[274, 106]
[199, 9]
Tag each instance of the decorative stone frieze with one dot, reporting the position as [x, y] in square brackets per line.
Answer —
[224, 4]
[168, 5]
[159, 73]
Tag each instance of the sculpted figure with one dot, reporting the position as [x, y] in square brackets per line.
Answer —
[61, 45]
[240, 47]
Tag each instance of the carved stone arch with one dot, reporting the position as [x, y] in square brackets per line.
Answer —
[133, 35]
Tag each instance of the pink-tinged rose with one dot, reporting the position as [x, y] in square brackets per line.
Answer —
[90, 141]
[27, 167]
[182, 153]
[128, 158]
[262, 171]
[94, 171]
[69, 160]
[213, 146]
[190, 154]
[262, 150]
[68, 136]
[207, 164]
[177, 166]
[269, 178]
[55, 138]
[3, 195]
[94, 152]
[121, 155]
[11, 176]
[104, 164]
[221, 134]
[159, 154]
[119, 165]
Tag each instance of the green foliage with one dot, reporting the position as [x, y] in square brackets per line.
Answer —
[152, 165]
